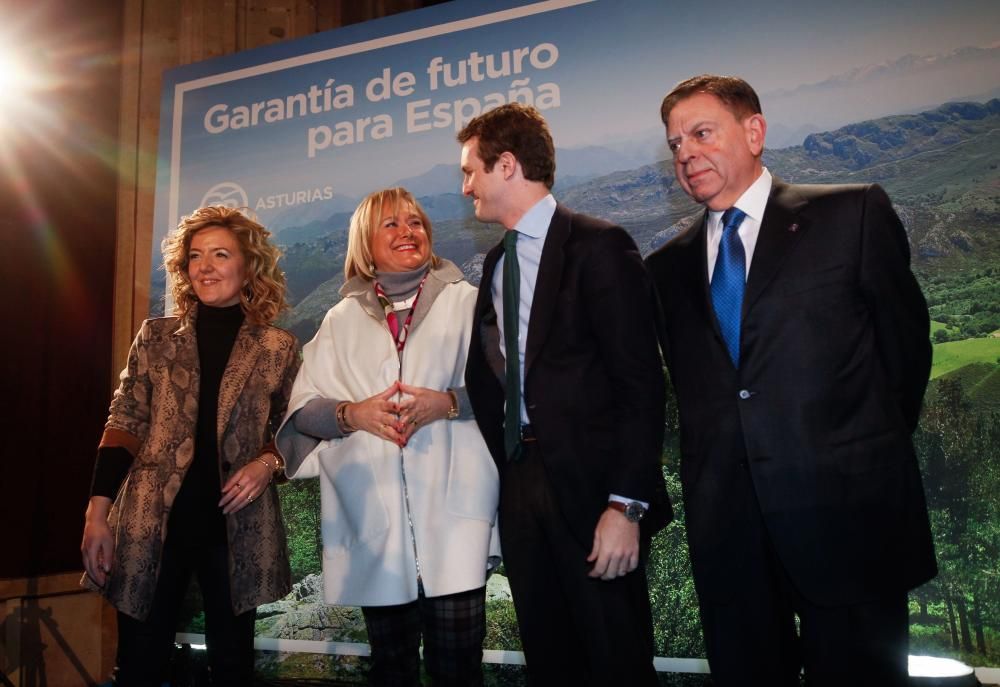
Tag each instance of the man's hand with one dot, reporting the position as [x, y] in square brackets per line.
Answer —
[616, 546]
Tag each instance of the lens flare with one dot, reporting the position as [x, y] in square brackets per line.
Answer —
[47, 132]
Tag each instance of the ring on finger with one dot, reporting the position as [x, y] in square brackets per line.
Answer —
[239, 486]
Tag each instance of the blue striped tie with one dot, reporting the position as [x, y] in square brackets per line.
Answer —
[729, 282]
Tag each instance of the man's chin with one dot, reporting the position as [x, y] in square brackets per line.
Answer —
[701, 190]
[703, 196]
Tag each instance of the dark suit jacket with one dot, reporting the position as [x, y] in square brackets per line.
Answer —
[834, 360]
[593, 387]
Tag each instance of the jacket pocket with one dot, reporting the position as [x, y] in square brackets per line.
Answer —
[867, 453]
[473, 481]
[352, 508]
[834, 280]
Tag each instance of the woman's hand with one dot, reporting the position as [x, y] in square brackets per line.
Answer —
[245, 486]
[421, 407]
[98, 546]
[378, 415]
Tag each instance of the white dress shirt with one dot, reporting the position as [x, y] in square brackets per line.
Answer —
[752, 202]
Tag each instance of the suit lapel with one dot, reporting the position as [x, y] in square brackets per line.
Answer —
[486, 315]
[241, 364]
[691, 271]
[486, 281]
[550, 269]
[697, 278]
[780, 230]
[186, 359]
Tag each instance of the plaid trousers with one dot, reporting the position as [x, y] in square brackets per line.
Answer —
[453, 628]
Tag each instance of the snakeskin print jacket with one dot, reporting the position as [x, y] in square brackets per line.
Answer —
[153, 415]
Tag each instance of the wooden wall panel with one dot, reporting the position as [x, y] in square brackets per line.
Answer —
[208, 29]
[305, 18]
[329, 15]
[152, 45]
[268, 22]
[128, 191]
[54, 632]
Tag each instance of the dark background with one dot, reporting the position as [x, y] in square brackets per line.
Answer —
[57, 269]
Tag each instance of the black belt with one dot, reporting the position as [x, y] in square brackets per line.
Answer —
[528, 434]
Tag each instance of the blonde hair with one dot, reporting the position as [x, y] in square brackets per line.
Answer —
[262, 298]
[366, 219]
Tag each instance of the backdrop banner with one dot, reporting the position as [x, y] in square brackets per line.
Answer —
[906, 96]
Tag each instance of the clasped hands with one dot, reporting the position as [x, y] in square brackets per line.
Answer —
[396, 421]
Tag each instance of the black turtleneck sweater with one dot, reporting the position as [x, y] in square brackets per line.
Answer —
[195, 511]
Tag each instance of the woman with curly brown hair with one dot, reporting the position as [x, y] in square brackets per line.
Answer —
[184, 479]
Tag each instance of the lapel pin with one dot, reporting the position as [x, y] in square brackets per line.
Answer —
[793, 227]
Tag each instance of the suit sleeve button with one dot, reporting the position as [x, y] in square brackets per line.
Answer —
[744, 394]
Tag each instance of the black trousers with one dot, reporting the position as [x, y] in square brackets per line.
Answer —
[575, 630]
[752, 639]
[453, 629]
[145, 647]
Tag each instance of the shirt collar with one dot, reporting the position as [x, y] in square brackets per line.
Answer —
[535, 222]
[754, 199]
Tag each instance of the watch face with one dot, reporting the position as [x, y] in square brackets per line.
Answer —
[634, 511]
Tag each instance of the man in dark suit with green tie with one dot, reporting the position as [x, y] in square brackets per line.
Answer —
[565, 380]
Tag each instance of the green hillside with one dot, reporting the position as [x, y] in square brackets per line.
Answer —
[962, 302]
[935, 326]
[953, 355]
[979, 382]
[986, 391]
[940, 169]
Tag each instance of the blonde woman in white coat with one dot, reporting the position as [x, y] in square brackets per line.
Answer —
[408, 488]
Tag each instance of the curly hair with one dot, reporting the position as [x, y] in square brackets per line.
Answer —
[520, 130]
[360, 260]
[735, 93]
[262, 298]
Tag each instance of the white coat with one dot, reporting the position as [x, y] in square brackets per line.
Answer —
[450, 477]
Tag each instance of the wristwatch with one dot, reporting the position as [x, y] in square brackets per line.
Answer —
[633, 510]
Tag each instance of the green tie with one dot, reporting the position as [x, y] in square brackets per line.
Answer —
[511, 316]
